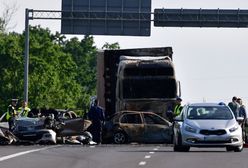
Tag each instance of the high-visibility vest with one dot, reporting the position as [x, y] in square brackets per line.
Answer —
[10, 113]
[177, 109]
[23, 111]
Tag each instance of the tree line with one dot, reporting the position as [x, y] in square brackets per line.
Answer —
[62, 72]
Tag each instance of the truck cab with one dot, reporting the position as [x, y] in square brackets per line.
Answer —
[145, 84]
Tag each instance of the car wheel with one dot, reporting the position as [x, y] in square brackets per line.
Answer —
[3, 142]
[229, 148]
[120, 137]
[178, 147]
[238, 148]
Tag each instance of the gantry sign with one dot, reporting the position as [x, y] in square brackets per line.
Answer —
[127, 18]
[107, 17]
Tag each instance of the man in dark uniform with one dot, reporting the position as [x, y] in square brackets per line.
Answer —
[12, 114]
[96, 115]
[234, 106]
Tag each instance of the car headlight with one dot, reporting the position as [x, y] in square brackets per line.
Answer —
[190, 129]
[233, 128]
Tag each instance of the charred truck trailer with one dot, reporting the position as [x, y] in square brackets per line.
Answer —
[136, 79]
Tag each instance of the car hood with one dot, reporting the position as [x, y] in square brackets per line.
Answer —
[211, 124]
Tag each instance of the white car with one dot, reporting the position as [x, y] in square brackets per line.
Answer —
[207, 125]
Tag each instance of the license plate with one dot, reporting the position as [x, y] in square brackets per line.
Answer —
[213, 138]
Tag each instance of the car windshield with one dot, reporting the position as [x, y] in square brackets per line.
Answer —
[209, 112]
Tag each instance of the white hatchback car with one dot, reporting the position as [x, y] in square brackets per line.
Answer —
[207, 125]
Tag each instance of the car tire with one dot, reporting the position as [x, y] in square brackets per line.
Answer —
[234, 148]
[238, 148]
[120, 137]
[229, 148]
[178, 147]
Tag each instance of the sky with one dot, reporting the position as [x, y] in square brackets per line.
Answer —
[211, 63]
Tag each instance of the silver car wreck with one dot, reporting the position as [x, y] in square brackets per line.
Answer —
[46, 129]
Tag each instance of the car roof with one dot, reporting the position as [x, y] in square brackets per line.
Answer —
[206, 104]
[130, 111]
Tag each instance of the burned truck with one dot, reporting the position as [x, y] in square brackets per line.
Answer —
[137, 80]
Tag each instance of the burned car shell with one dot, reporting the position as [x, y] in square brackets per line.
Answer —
[135, 126]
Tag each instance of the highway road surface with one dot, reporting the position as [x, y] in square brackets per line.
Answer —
[118, 156]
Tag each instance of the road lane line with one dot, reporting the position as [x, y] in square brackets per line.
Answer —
[147, 157]
[23, 153]
[142, 163]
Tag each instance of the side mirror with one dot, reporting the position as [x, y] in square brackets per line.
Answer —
[178, 119]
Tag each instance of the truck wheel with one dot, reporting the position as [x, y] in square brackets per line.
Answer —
[120, 137]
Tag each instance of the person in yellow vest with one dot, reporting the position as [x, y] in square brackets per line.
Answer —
[178, 107]
[24, 110]
[11, 113]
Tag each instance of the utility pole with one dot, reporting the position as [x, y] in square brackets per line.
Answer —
[26, 58]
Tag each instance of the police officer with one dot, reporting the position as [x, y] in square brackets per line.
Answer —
[12, 114]
[178, 108]
[24, 110]
[96, 115]
[234, 106]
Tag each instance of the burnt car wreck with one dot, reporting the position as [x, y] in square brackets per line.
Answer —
[47, 128]
[136, 126]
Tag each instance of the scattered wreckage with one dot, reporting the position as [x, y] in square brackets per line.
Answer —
[47, 128]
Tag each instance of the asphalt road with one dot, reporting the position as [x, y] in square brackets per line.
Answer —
[118, 156]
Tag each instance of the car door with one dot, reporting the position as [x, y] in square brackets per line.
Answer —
[131, 124]
[71, 127]
[157, 129]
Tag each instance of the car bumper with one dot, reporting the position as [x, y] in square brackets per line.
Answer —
[199, 140]
[40, 136]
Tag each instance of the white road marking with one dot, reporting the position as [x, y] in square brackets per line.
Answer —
[23, 153]
[142, 163]
[147, 157]
[151, 152]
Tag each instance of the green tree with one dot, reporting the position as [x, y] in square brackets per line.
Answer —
[112, 46]
[62, 73]
[52, 72]
[84, 54]
[11, 65]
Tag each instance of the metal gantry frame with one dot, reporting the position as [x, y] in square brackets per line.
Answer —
[162, 18]
[31, 14]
